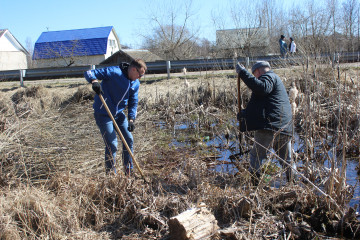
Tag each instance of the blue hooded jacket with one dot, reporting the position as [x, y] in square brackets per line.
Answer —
[119, 91]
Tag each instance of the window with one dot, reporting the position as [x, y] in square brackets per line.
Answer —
[111, 43]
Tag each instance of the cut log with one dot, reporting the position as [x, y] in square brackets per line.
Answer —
[195, 223]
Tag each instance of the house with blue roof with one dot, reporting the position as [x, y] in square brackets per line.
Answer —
[89, 46]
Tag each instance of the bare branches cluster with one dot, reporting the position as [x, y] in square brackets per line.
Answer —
[316, 26]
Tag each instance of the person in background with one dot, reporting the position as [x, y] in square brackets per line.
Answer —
[269, 114]
[283, 46]
[119, 87]
[292, 46]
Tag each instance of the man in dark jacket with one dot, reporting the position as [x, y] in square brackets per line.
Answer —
[269, 114]
[283, 46]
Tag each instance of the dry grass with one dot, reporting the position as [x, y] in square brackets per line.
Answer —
[53, 185]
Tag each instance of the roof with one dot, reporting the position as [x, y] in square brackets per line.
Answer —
[13, 40]
[67, 43]
[2, 31]
[127, 55]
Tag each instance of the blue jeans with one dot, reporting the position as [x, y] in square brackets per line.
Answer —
[108, 132]
[264, 141]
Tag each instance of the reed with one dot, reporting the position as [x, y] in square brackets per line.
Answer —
[53, 185]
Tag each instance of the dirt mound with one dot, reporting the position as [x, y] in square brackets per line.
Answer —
[31, 92]
[83, 93]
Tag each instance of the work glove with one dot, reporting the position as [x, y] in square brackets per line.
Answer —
[97, 88]
[239, 67]
[131, 126]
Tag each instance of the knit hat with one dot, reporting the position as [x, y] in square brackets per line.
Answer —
[260, 64]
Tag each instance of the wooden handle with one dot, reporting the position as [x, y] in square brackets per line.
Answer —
[239, 96]
[121, 136]
[239, 109]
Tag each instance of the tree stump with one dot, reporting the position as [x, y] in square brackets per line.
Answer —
[195, 223]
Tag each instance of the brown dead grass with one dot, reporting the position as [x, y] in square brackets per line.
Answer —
[53, 185]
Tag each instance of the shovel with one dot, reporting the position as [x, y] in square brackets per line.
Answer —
[122, 137]
[239, 98]
[239, 109]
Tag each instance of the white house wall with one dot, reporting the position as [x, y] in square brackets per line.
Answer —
[6, 44]
[11, 56]
[64, 62]
[111, 49]
[12, 60]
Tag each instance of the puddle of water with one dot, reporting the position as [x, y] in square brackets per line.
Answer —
[181, 127]
[352, 179]
[224, 153]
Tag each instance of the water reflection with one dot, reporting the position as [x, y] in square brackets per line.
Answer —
[224, 151]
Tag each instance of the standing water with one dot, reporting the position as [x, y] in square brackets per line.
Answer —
[224, 153]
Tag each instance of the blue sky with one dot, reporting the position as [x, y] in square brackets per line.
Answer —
[27, 19]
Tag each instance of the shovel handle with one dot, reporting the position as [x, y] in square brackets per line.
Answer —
[239, 97]
[239, 94]
[239, 110]
[122, 137]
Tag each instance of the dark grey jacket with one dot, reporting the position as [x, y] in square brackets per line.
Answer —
[269, 106]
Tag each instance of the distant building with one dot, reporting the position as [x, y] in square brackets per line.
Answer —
[12, 54]
[127, 55]
[78, 47]
[243, 42]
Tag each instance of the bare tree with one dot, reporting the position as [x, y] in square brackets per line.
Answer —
[350, 15]
[275, 20]
[172, 36]
[319, 23]
[204, 48]
[250, 20]
[30, 49]
[333, 6]
[257, 26]
[297, 23]
[311, 26]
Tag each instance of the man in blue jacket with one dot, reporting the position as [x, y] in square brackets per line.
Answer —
[283, 46]
[269, 114]
[119, 87]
